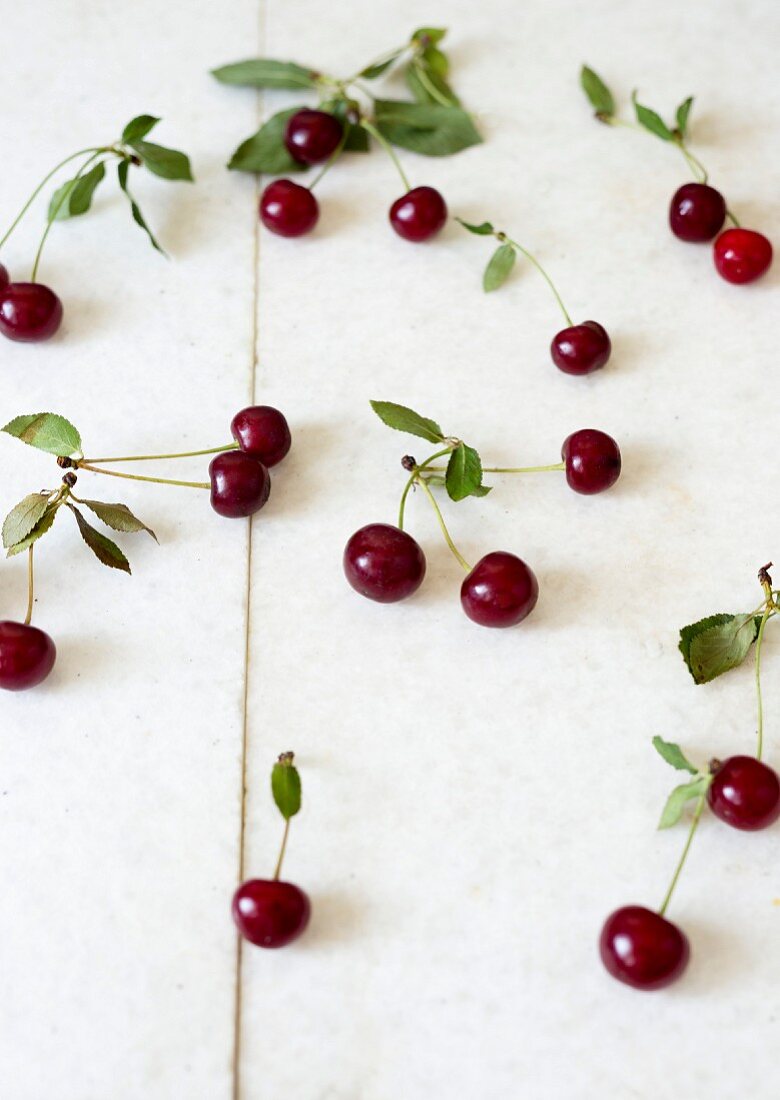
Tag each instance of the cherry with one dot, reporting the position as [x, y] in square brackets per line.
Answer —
[383, 563]
[592, 461]
[312, 136]
[419, 214]
[581, 349]
[270, 913]
[745, 793]
[4, 278]
[288, 209]
[742, 255]
[262, 432]
[27, 656]
[697, 212]
[501, 590]
[240, 484]
[29, 312]
[642, 948]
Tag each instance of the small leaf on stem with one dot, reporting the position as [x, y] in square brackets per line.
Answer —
[499, 267]
[430, 129]
[265, 151]
[48, 432]
[371, 72]
[716, 644]
[169, 164]
[103, 548]
[464, 474]
[598, 93]
[75, 196]
[484, 230]
[118, 517]
[674, 755]
[403, 419]
[433, 35]
[42, 526]
[651, 121]
[137, 128]
[679, 798]
[23, 517]
[286, 786]
[265, 73]
[122, 170]
[683, 111]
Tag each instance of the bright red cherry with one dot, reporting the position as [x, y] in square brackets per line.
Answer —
[592, 461]
[270, 913]
[312, 136]
[697, 212]
[27, 656]
[642, 948]
[288, 209]
[501, 590]
[263, 432]
[581, 349]
[742, 255]
[745, 793]
[240, 485]
[4, 278]
[29, 312]
[419, 214]
[383, 563]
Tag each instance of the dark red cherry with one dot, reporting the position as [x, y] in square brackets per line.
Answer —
[501, 590]
[581, 349]
[697, 212]
[288, 209]
[592, 460]
[642, 948]
[312, 136]
[419, 214]
[4, 278]
[383, 563]
[745, 793]
[29, 312]
[742, 255]
[27, 656]
[270, 913]
[263, 432]
[240, 484]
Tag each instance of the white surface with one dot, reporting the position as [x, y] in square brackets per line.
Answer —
[475, 802]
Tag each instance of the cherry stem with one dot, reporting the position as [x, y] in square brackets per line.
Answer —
[447, 537]
[678, 870]
[372, 130]
[30, 585]
[40, 187]
[693, 162]
[768, 611]
[430, 88]
[519, 248]
[52, 217]
[513, 469]
[332, 158]
[138, 477]
[413, 478]
[147, 458]
[732, 219]
[282, 850]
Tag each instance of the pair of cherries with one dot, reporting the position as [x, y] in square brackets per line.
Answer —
[240, 481]
[641, 947]
[697, 213]
[291, 210]
[29, 312]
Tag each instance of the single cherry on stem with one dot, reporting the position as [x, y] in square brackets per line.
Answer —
[642, 948]
[500, 591]
[262, 432]
[745, 793]
[29, 312]
[384, 563]
[581, 349]
[312, 136]
[742, 255]
[27, 654]
[288, 209]
[419, 214]
[592, 459]
[240, 484]
[697, 212]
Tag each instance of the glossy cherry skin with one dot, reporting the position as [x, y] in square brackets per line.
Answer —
[501, 590]
[269, 913]
[581, 349]
[263, 432]
[312, 136]
[383, 563]
[745, 793]
[240, 485]
[288, 209]
[419, 214]
[29, 312]
[4, 278]
[642, 948]
[742, 255]
[592, 461]
[697, 212]
[27, 656]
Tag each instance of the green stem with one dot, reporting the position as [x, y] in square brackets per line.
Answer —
[430, 88]
[282, 850]
[372, 130]
[30, 585]
[138, 477]
[40, 187]
[540, 269]
[53, 215]
[768, 611]
[694, 823]
[332, 158]
[733, 219]
[693, 162]
[179, 454]
[447, 537]
[413, 478]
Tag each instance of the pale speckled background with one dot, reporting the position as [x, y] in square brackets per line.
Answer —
[475, 802]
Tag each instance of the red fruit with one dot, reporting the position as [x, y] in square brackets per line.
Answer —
[642, 948]
[742, 255]
[592, 460]
[240, 485]
[262, 432]
[697, 212]
[581, 349]
[745, 793]
[419, 214]
[383, 563]
[269, 913]
[501, 590]
[29, 312]
[4, 279]
[288, 209]
[27, 656]
[312, 136]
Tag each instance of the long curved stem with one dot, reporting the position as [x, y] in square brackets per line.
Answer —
[138, 477]
[148, 458]
[447, 537]
[513, 469]
[40, 187]
[53, 215]
[413, 478]
[372, 130]
[693, 162]
[681, 863]
[759, 640]
[332, 158]
[282, 850]
[30, 585]
[529, 256]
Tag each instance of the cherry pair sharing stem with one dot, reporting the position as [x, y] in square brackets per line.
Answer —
[697, 214]
[240, 482]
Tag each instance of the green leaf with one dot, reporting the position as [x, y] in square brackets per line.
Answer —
[407, 420]
[169, 164]
[674, 755]
[499, 266]
[483, 230]
[430, 129]
[138, 218]
[716, 644]
[118, 517]
[104, 549]
[434, 35]
[464, 474]
[138, 128]
[48, 432]
[437, 61]
[264, 73]
[683, 111]
[75, 196]
[40, 529]
[651, 121]
[23, 517]
[427, 86]
[371, 72]
[598, 93]
[286, 786]
[678, 799]
[265, 151]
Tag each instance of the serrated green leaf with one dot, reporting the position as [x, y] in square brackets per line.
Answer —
[138, 218]
[464, 474]
[103, 548]
[118, 517]
[23, 517]
[434, 35]
[42, 526]
[137, 128]
[483, 230]
[168, 164]
[48, 432]
[75, 196]
[716, 644]
[673, 755]
[679, 798]
[371, 72]
[651, 121]
[598, 93]
[286, 786]
[265, 73]
[499, 267]
[430, 129]
[683, 111]
[403, 419]
[265, 151]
